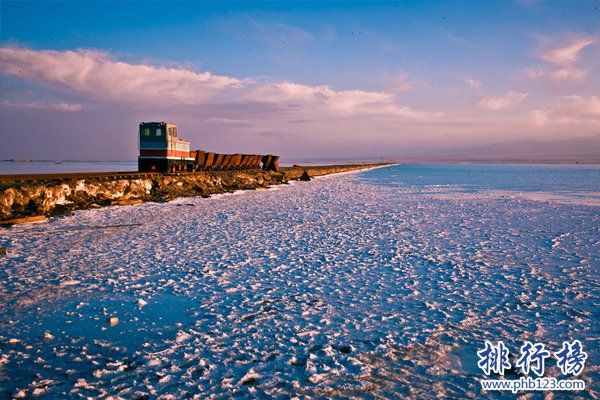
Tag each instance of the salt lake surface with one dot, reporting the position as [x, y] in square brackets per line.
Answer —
[379, 284]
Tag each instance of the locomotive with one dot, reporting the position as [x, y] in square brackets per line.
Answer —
[161, 150]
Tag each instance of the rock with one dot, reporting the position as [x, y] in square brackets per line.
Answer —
[32, 202]
[305, 177]
[113, 321]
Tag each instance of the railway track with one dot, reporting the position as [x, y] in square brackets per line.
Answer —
[105, 176]
[65, 176]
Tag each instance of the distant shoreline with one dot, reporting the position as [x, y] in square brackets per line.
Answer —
[354, 161]
[17, 167]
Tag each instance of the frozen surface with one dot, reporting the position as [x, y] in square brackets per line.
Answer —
[381, 284]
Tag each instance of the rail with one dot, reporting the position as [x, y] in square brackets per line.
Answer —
[69, 176]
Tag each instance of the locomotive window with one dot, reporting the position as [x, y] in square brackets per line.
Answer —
[158, 132]
[146, 131]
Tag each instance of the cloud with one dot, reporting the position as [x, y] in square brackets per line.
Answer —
[61, 107]
[571, 110]
[497, 103]
[539, 117]
[345, 102]
[568, 54]
[569, 74]
[562, 62]
[564, 74]
[98, 76]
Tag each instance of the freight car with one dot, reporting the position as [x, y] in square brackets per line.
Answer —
[161, 150]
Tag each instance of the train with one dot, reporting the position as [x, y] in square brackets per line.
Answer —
[162, 150]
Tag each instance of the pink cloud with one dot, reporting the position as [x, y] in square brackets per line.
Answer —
[567, 54]
[571, 110]
[568, 73]
[562, 63]
[345, 102]
[497, 103]
[99, 76]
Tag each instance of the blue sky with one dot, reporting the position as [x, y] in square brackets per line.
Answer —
[337, 78]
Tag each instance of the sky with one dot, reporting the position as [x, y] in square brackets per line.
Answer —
[303, 79]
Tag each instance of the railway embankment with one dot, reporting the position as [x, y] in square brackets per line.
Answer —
[30, 198]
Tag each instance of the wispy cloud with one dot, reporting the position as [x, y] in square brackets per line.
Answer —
[568, 74]
[497, 103]
[568, 54]
[572, 110]
[99, 76]
[345, 102]
[562, 62]
[564, 74]
[60, 107]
